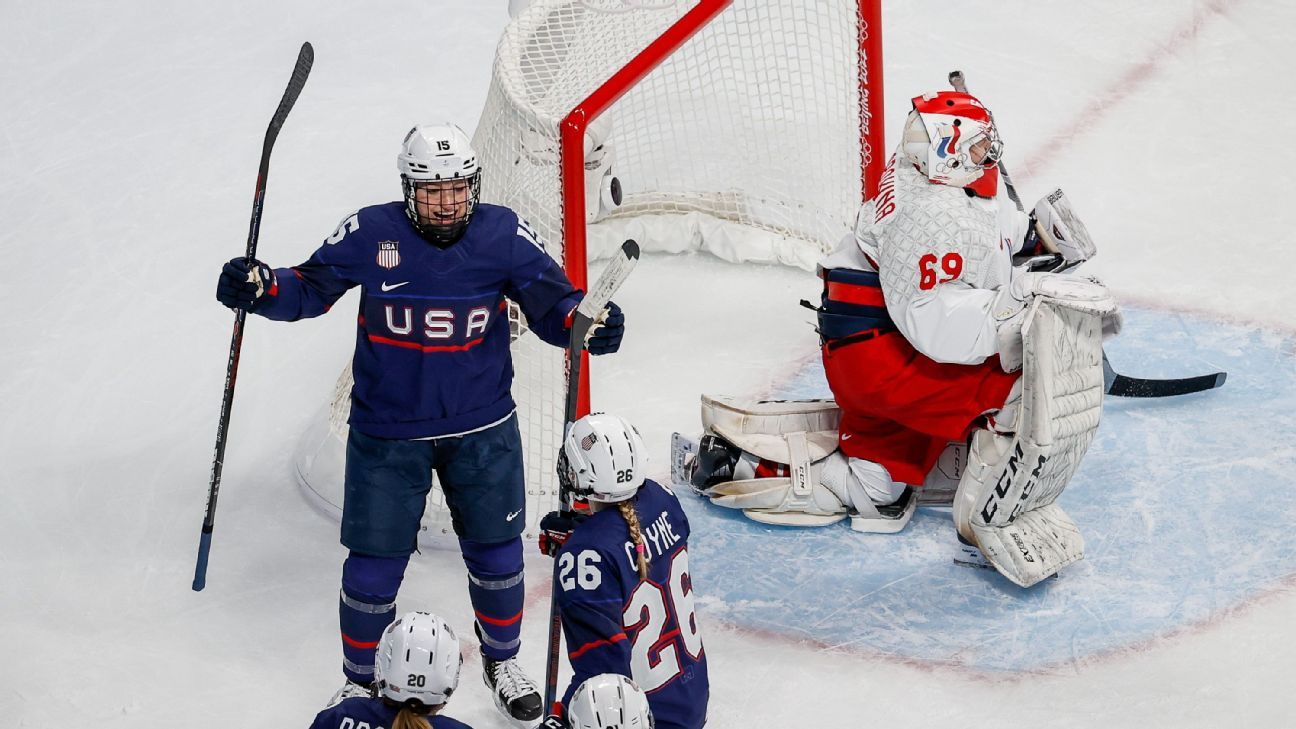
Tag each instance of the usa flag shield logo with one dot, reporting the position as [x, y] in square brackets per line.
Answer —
[588, 441]
[388, 254]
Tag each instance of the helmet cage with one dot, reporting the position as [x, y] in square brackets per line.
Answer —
[434, 156]
[441, 233]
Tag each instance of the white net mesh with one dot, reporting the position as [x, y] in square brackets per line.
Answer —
[748, 142]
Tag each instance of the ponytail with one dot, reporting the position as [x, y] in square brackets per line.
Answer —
[632, 521]
[409, 718]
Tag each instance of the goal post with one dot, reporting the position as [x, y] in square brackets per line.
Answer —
[748, 129]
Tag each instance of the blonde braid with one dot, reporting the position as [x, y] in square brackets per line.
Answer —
[632, 521]
[407, 718]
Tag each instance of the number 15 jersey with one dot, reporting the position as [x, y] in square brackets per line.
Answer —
[645, 629]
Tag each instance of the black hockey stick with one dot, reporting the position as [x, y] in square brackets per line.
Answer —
[1126, 386]
[301, 70]
[591, 307]
[1114, 383]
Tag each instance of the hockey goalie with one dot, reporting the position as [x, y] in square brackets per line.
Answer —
[947, 363]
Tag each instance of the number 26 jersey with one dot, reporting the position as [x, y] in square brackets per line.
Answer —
[645, 629]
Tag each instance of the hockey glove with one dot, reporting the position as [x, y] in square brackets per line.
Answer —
[555, 527]
[606, 337]
[1059, 230]
[241, 286]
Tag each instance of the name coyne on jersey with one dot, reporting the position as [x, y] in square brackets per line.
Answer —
[660, 536]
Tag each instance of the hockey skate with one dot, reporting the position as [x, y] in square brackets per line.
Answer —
[969, 555]
[351, 690]
[516, 696]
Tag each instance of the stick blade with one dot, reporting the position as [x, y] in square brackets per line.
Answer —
[1125, 386]
[618, 269]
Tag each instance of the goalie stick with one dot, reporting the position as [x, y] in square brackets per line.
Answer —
[588, 313]
[1115, 383]
[1120, 385]
[305, 58]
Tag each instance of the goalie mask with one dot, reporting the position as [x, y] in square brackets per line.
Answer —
[951, 138]
[601, 459]
[418, 661]
[609, 701]
[441, 181]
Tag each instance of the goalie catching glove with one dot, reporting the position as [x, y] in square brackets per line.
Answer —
[1057, 229]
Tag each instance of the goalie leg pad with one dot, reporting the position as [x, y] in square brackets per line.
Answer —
[1009, 478]
[758, 427]
[799, 493]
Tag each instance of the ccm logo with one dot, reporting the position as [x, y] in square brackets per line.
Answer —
[1005, 482]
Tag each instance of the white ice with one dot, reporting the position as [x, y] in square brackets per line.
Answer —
[129, 138]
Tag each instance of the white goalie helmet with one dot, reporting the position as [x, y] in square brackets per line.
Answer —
[418, 660]
[437, 157]
[609, 701]
[939, 137]
[602, 459]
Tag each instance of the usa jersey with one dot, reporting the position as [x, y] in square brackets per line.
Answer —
[644, 629]
[360, 711]
[432, 340]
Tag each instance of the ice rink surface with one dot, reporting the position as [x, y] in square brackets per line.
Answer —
[129, 138]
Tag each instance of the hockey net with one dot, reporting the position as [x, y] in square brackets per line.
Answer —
[744, 128]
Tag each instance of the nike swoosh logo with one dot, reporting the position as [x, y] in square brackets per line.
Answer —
[512, 515]
[385, 287]
[846, 436]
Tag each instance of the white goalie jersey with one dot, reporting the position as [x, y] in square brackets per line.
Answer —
[943, 256]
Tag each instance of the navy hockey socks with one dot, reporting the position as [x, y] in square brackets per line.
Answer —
[367, 605]
[496, 591]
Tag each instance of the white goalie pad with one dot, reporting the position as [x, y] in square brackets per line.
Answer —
[803, 435]
[760, 427]
[796, 500]
[1005, 500]
[799, 433]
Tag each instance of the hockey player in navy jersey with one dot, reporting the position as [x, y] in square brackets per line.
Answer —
[417, 670]
[432, 374]
[624, 588]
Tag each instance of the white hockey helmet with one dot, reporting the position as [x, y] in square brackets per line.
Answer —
[609, 701]
[436, 155]
[940, 133]
[418, 660]
[602, 459]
